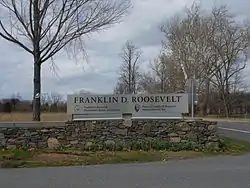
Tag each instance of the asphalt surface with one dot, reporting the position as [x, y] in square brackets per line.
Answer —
[214, 172]
[219, 172]
[240, 131]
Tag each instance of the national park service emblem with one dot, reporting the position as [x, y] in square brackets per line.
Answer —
[137, 107]
[77, 109]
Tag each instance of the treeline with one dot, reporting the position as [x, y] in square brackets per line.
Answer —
[210, 47]
[53, 102]
[50, 102]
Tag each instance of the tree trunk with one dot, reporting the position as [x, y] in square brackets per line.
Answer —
[37, 90]
[129, 78]
[37, 63]
[205, 108]
[226, 107]
[226, 110]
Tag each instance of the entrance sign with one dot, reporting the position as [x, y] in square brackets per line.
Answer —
[159, 106]
[83, 107]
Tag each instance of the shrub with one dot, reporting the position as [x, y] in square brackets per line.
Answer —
[12, 164]
[148, 145]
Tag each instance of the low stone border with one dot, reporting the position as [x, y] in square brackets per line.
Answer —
[83, 133]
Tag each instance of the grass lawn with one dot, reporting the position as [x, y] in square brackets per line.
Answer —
[227, 119]
[27, 117]
[230, 119]
[53, 158]
[60, 116]
[37, 158]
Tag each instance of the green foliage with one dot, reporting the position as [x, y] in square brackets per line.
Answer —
[15, 158]
[236, 146]
[17, 154]
[62, 148]
[146, 146]
[224, 145]
[12, 164]
[21, 154]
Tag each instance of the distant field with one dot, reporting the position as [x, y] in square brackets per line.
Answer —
[233, 118]
[227, 119]
[26, 117]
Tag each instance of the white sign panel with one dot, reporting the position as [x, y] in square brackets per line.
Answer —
[139, 106]
[95, 106]
[161, 105]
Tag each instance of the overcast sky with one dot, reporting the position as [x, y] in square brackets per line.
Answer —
[100, 74]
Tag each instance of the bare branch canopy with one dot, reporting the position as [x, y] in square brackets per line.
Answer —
[129, 70]
[53, 24]
[45, 27]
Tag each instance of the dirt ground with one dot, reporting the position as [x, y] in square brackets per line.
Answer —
[54, 157]
[27, 117]
[113, 156]
[101, 157]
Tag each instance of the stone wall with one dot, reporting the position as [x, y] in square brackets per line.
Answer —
[80, 134]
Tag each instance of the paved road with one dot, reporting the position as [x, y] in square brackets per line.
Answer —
[219, 172]
[240, 131]
[236, 125]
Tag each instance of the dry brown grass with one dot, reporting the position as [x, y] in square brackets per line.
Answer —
[53, 158]
[227, 119]
[27, 117]
[119, 156]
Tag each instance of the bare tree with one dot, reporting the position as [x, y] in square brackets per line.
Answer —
[238, 82]
[119, 88]
[168, 73]
[129, 71]
[231, 44]
[159, 69]
[206, 46]
[56, 99]
[15, 99]
[46, 102]
[45, 27]
[45, 99]
[164, 75]
[187, 39]
[51, 101]
[149, 82]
